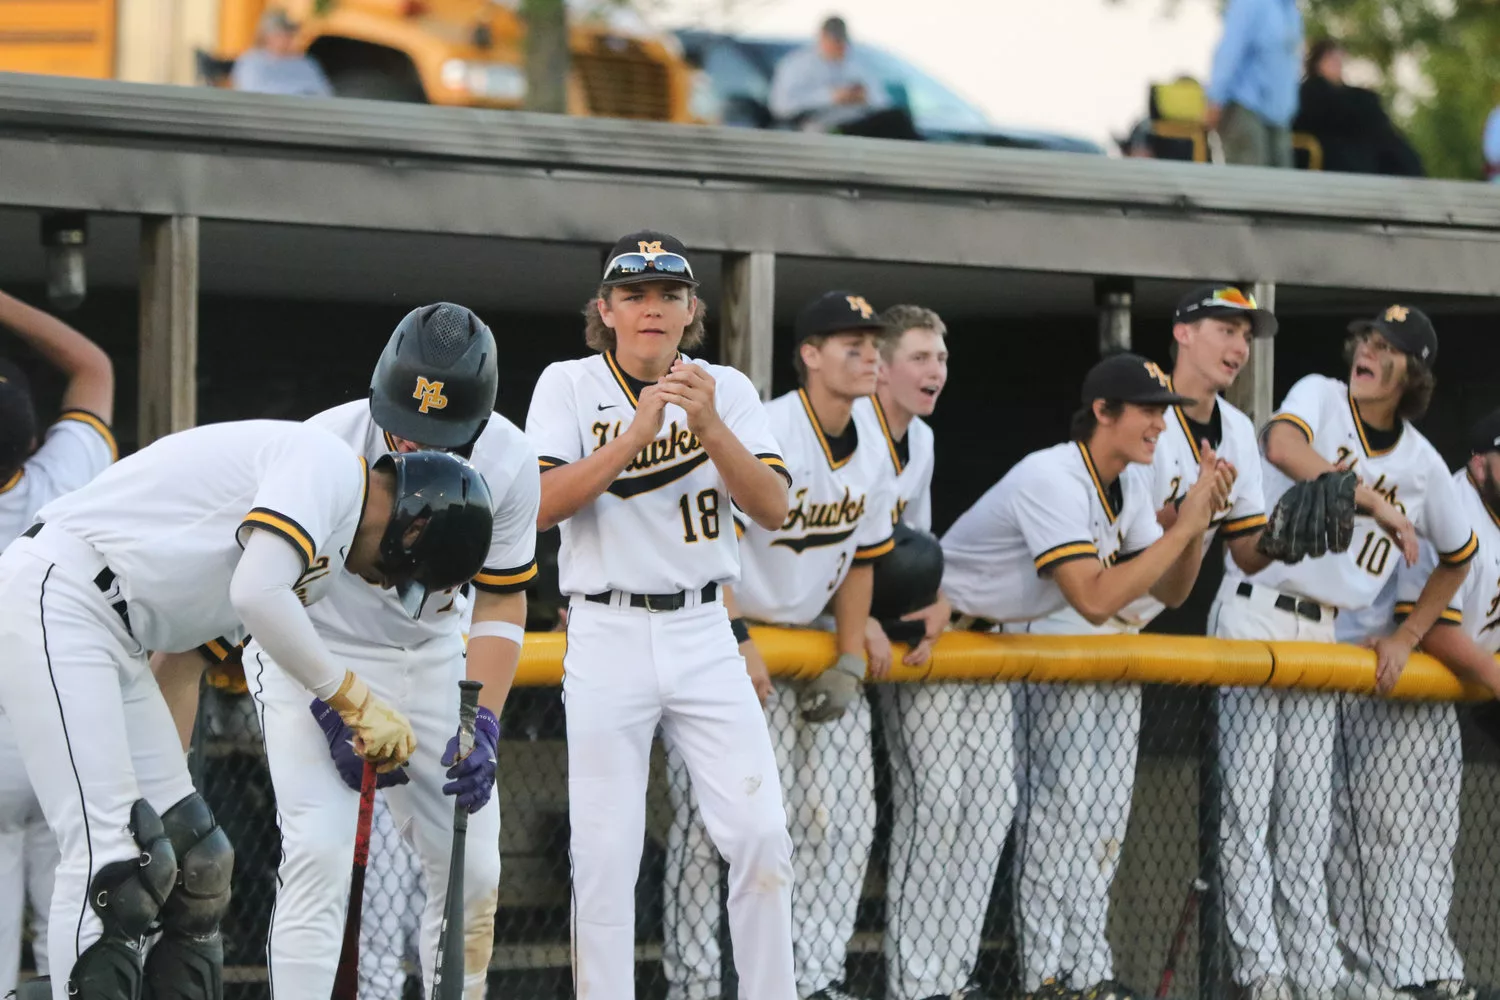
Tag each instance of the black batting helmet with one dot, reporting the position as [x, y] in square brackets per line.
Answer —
[17, 418]
[436, 380]
[907, 579]
[440, 526]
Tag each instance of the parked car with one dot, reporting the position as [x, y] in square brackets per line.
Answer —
[740, 71]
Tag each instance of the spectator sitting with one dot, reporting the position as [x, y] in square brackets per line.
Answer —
[827, 87]
[274, 66]
[1349, 123]
[1252, 94]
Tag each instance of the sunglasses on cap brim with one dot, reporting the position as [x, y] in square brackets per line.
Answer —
[646, 266]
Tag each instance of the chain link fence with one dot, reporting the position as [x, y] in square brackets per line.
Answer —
[1025, 837]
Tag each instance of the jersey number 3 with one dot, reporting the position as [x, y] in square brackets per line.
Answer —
[708, 516]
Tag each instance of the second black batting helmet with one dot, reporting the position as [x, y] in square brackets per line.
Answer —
[440, 527]
[907, 579]
[436, 380]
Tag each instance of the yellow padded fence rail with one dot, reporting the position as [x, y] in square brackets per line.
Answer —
[1140, 659]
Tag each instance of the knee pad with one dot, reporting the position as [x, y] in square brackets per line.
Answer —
[188, 962]
[127, 896]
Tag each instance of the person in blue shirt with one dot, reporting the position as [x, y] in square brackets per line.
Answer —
[1252, 93]
[275, 66]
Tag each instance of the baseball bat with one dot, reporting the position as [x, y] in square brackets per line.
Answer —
[448, 980]
[1179, 937]
[346, 979]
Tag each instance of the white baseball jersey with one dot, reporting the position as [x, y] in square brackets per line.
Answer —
[665, 524]
[506, 460]
[843, 491]
[171, 519]
[1175, 469]
[912, 460]
[1401, 465]
[75, 450]
[1476, 606]
[1049, 508]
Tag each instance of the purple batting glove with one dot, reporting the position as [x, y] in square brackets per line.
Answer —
[341, 748]
[474, 776]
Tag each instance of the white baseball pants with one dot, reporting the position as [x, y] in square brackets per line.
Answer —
[1396, 786]
[953, 791]
[317, 815]
[391, 920]
[28, 857]
[626, 671]
[1276, 762]
[93, 730]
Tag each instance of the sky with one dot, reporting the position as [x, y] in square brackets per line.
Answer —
[1081, 67]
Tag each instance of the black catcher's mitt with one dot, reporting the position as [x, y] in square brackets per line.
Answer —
[1311, 519]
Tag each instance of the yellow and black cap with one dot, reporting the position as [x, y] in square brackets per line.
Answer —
[647, 255]
[17, 417]
[1406, 328]
[1130, 378]
[836, 312]
[1484, 436]
[1225, 300]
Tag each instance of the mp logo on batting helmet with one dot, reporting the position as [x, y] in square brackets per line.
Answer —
[430, 394]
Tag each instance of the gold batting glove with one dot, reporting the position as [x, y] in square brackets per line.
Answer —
[381, 734]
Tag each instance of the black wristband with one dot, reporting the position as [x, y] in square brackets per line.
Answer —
[740, 629]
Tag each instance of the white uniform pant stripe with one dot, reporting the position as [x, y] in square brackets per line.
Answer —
[1276, 762]
[1396, 783]
[94, 732]
[626, 671]
[953, 798]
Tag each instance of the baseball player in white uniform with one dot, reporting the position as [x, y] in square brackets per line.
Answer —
[131, 562]
[73, 450]
[1066, 526]
[842, 494]
[433, 388]
[1400, 764]
[646, 453]
[1079, 741]
[1276, 747]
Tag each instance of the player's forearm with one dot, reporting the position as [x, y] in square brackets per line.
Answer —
[1436, 593]
[851, 608]
[262, 595]
[567, 489]
[757, 489]
[492, 660]
[1288, 449]
[1246, 556]
[89, 370]
[1456, 651]
[1177, 582]
[1098, 593]
[178, 675]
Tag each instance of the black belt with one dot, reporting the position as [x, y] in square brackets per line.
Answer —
[1311, 610]
[969, 623]
[660, 602]
[105, 581]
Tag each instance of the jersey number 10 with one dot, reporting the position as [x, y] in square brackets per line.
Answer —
[1373, 553]
[708, 516]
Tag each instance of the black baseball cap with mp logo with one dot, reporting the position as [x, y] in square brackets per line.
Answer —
[1130, 378]
[1406, 328]
[1484, 436]
[836, 312]
[647, 255]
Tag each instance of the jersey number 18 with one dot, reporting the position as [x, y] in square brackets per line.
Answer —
[708, 516]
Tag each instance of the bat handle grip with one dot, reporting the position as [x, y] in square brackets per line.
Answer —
[468, 709]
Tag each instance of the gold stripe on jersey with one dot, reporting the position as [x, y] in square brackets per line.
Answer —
[548, 462]
[634, 486]
[85, 417]
[506, 581]
[1295, 421]
[775, 462]
[1187, 431]
[280, 524]
[1495, 518]
[217, 650]
[1359, 428]
[885, 430]
[10, 483]
[1088, 463]
[739, 529]
[614, 369]
[812, 418]
[390, 442]
[1462, 554]
[1449, 616]
[869, 552]
[1064, 552]
[1242, 525]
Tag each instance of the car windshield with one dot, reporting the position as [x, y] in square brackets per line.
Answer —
[932, 105]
